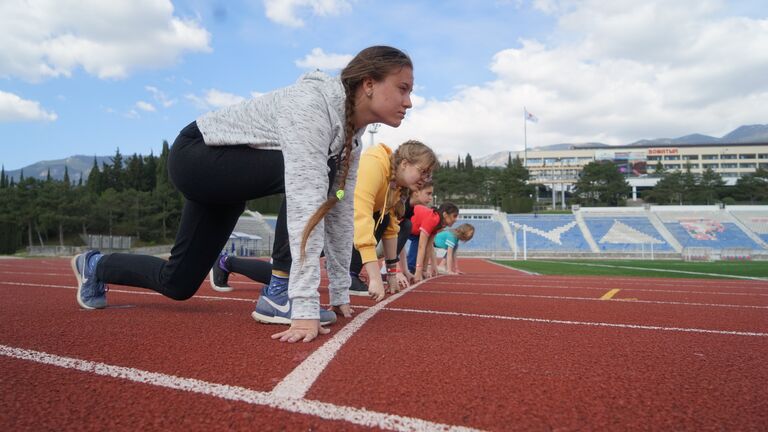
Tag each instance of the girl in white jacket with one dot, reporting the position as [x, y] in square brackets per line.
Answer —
[302, 140]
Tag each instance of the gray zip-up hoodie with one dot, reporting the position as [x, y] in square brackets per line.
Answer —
[306, 122]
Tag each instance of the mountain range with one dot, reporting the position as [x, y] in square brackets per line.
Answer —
[81, 165]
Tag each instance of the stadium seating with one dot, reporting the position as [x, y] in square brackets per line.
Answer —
[489, 236]
[626, 234]
[549, 232]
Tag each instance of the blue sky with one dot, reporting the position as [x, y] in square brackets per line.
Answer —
[89, 76]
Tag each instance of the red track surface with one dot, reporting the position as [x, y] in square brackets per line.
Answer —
[493, 349]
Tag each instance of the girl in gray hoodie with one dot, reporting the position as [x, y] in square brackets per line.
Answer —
[303, 140]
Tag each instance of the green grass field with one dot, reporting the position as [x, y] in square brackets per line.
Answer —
[666, 269]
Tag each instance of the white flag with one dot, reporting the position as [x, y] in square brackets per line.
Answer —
[530, 117]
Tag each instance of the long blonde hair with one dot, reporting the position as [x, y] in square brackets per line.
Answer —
[414, 152]
[376, 63]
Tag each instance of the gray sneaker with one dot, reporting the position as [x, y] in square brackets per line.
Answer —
[91, 294]
[276, 308]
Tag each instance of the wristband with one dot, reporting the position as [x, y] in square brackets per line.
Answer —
[391, 261]
[419, 265]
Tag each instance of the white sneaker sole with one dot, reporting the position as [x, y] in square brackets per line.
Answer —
[359, 293]
[266, 319]
[73, 263]
[270, 319]
[216, 287]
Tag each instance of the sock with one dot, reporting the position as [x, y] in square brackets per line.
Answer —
[93, 261]
[277, 285]
[223, 263]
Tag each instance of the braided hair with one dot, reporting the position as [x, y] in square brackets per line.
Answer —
[376, 63]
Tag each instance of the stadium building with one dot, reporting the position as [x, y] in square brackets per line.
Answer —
[559, 169]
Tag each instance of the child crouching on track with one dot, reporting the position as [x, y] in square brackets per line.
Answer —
[427, 221]
[447, 243]
[303, 140]
[383, 183]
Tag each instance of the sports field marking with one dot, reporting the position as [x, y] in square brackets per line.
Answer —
[609, 280]
[609, 295]
[623, 282]
[582, 323]
[301, 379]
[512, 269]
[634, 300]
[659, 270]
[322, 410]
[561, 287]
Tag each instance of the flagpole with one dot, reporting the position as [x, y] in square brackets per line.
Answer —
[525, 138]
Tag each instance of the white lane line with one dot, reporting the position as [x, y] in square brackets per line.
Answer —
[581, 323]
[613, 300]
[314, 408]
[560, 287]
[297, 383]
[629, 280]
[513, 270]
[148, 292]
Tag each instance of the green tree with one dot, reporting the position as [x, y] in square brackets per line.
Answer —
[711, 185]
[601, 182]
[96, 182]
[753, 187]
[669, 189]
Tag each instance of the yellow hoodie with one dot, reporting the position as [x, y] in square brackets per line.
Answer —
[371, 193]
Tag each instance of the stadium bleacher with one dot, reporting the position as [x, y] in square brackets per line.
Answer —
[628, 234]
[549, 232]
[633, 231]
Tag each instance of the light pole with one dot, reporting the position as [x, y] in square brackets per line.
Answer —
[372, 129]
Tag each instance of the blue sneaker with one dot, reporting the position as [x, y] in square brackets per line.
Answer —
[276, 308]
[91, 294]
[219, 276]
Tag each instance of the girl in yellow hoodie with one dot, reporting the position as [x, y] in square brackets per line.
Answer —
[383, 181]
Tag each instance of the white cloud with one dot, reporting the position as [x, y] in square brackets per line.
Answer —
[145, 106]
[318, 59]
[13, 108]
[160, 97]
[214, 99]
[285, 11]
[613, 72]
[108, 39]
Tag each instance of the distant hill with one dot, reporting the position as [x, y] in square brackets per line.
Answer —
[76, 165]
[80, 164]
[742, 134]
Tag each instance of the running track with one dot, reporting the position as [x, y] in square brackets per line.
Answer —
[490, 350]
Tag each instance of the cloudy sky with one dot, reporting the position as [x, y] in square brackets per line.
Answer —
[90, 76]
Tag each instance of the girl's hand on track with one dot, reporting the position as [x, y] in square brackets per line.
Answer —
[344, 309]
[400, 282]
[301, 330]
[376, 289]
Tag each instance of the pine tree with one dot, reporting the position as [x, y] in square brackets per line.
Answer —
[66, 176]
[3, 180]
[95, 182]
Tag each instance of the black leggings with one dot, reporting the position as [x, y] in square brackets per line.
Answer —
[405, 229]
[216, 182]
